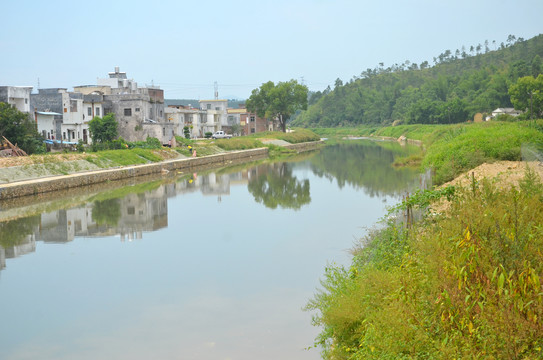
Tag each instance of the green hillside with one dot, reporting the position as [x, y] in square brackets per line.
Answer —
[459, 85]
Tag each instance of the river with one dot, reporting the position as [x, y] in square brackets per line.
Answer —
[210, 265]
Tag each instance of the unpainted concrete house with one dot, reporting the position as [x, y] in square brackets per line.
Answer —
[139, 111]
[193, 118]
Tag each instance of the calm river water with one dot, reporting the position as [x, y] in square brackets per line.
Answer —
[213, 265]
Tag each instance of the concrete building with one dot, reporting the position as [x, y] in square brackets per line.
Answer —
[139, 111]
[234, 118]
[70, 119]
[217, 116]
[47, 123]
[251, 123]
[181, 116]
[18, 96]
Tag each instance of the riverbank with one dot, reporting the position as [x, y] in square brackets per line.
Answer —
[76, 178]
[451, 150]
[463, 283]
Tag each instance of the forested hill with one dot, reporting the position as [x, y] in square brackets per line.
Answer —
[459, 85]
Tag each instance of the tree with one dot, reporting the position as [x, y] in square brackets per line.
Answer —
[276, 186]
[279, 101]
[527, 95]
[236, 129]
[106, 212]
[17, 127]
[537, 66]
[103, 129]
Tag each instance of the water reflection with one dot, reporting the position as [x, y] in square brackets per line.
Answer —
[367, 165]
[274, 185]
[130, 211]
[229, 259]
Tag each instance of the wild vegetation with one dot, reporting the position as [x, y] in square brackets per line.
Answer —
[459, 85]
[453, 149]
[17, 127]
[464, 284]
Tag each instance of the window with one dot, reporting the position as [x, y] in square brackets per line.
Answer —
[208, 106]
[217, 108]
[73, 135]
[252, 130]
[137, 109]
[252, 119]
[97, 111]
[64, 135]
[89, 111]
[160, 113]
[128, 112]
[131, 210]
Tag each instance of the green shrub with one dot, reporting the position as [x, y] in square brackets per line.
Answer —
[464, 286]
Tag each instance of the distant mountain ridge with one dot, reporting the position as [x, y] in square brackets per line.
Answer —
[457, 87]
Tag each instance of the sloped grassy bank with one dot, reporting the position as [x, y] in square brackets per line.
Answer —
[453, 149]
[463, 284]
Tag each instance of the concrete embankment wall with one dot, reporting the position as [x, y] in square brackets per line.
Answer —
[63, 182]
[401, 139]
[54, 183]
[307, 146]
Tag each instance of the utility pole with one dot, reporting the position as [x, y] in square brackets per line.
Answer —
[216, 90]
[531, 105]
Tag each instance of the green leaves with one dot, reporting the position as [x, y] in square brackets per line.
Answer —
[17, 127]
[527, 95]
[279, 101]
[103, 129]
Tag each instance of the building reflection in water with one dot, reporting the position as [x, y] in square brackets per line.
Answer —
[128, 217]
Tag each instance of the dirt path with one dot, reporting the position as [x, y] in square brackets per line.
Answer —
[505, 173]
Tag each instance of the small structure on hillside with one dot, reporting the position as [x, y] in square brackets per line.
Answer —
[506, 111]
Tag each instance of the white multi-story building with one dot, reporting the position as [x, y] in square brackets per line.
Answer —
[216, 114]
[71, 123]
[18, 96]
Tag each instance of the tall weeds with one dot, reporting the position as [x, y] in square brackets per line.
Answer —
[466, 284]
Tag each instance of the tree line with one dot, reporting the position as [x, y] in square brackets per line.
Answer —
[453, 90]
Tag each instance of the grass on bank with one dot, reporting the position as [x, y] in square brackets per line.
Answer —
[462, 286]
[453, 149]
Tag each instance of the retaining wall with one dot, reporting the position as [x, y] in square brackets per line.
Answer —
[54, 183]
[63, 182]
[307, 146]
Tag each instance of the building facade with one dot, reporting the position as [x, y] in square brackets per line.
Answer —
[18, 96]
[70, 115]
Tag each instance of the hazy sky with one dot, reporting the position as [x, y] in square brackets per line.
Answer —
[185, 46]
